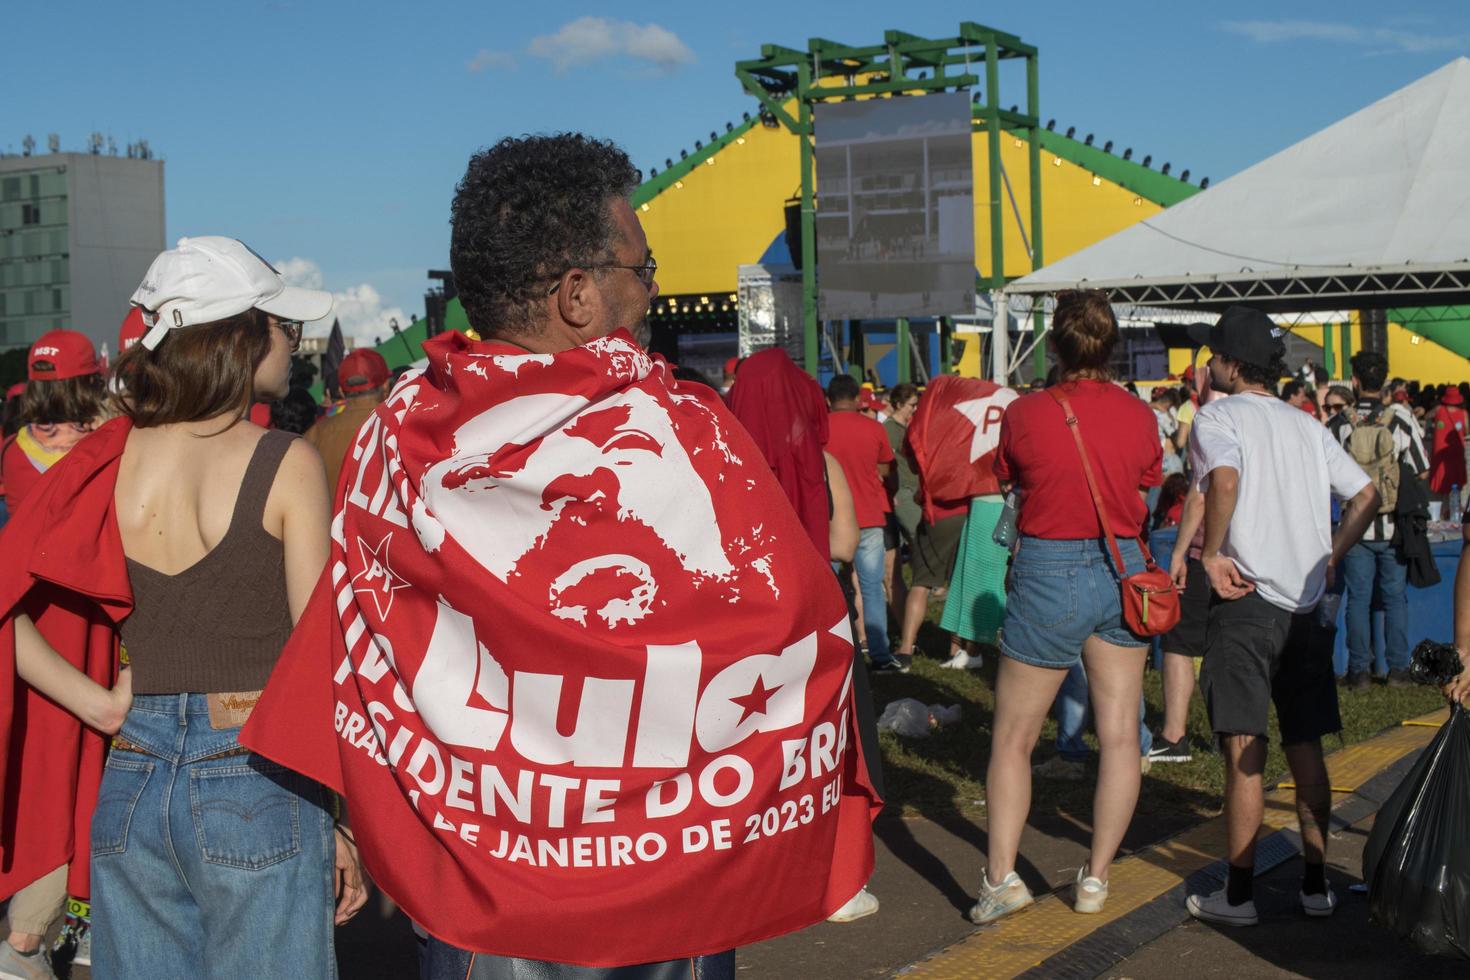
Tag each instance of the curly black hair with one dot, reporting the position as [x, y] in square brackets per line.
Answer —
[1267, 376]
[1370, 368]
[294, 413]
[528, 209]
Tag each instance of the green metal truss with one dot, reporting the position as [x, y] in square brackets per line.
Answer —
[903, 63]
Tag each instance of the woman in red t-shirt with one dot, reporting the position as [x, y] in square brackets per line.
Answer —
[1064, 603]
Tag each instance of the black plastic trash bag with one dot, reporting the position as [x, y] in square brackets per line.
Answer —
[1417, 860]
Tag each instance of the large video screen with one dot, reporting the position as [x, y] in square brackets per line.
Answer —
[895, 207]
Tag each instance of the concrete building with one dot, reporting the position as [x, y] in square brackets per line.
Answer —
[77, 232]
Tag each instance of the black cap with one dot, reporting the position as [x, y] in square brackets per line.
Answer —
[1242, 334]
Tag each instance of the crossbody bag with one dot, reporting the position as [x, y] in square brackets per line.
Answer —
[1150, 600]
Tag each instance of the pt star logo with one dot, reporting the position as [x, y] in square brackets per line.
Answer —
[985, 415]
[755, 702]
[376, 578]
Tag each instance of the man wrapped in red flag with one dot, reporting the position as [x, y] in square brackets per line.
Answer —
[952, 441]
[579, 674]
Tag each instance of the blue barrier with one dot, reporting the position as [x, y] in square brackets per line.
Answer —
[1431, 610]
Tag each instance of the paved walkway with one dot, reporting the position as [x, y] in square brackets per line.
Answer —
[1145, 931]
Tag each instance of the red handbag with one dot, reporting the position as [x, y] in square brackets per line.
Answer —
[1150, 600]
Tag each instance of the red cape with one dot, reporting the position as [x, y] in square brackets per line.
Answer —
[576, 667]
[64, 567]
[785, 412]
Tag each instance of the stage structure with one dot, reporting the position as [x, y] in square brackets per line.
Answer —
[895, 208]
[904, 65]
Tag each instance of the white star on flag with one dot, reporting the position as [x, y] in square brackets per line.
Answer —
[377, 579]
[984, 441]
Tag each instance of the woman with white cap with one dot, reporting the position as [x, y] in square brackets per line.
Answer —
[206, 859]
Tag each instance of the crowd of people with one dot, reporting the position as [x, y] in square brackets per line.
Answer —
[569, 654]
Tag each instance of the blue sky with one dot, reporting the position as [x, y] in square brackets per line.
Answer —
[329, 135]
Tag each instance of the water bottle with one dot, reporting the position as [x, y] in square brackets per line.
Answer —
[1453, 510]
[1327, 609]
[1004, 534]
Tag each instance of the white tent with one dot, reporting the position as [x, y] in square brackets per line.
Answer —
[1372, 211]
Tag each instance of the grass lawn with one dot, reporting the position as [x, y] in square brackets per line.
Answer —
[944, 773]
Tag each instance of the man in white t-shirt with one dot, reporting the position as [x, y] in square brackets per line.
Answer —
[1268, 472]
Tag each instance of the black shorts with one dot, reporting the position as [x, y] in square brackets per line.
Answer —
[1257, 654]
[935, 548]
[1188, 637]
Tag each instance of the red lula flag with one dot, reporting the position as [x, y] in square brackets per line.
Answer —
[953, 437]
[581, 678]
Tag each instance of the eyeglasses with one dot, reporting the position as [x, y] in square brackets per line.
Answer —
[1334, 406]
[292, 330]
[644, 272]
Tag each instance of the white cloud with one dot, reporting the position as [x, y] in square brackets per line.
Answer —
[300, 272]
[1382, 39]
[589, 39]
[485, 59]
[360, 307]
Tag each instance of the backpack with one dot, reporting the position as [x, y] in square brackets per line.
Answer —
[1371, 445]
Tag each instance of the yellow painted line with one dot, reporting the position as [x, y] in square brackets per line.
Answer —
[1335, 789]
[1022, 941]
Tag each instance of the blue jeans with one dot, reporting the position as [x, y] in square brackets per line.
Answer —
[445, 962]
[207, 864]
[1367, 564]
[869, 564]
[1072, 707]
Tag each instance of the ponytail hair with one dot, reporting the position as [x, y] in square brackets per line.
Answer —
[1084, 333]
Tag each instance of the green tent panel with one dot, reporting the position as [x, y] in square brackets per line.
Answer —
[1447, 326]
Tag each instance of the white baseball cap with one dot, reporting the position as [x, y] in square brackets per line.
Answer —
[210, 278]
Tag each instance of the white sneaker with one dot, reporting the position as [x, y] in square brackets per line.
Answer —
[963, 661]
[1217, 908]
[1011, 895]
[1319, 906]
[1091, 893]
[862, 904]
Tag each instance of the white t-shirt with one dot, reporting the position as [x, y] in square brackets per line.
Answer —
[1290, 465]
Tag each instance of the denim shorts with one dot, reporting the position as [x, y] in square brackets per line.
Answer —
[1061, 593]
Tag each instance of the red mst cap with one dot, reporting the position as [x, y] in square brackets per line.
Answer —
[362, 370]
[69, 353]
[133, 329]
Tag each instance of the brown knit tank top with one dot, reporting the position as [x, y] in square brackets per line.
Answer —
[220, 624]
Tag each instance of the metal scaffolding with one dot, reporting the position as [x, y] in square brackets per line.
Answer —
[904, 64]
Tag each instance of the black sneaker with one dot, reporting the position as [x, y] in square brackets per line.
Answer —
[899, 664]
[1398, 677]
[1164, 751]
[1357, 680]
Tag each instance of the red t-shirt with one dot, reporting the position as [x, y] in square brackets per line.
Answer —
[1447, 457]
[1038, 455]
[860, 445]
